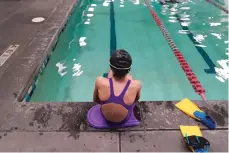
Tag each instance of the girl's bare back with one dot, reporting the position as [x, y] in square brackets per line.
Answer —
[116, 112]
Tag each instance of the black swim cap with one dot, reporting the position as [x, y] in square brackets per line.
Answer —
[120, 60]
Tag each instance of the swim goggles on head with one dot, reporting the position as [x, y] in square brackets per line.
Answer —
[120, 68]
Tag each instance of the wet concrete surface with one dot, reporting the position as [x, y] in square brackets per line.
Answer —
[72, 116]
[69, 117]
[47, 117]
[35, 41]
[171, 117]
[15, 81]
[17, 28]
[6, 108]
[63, 126]
[169, 141]
[58, 142]
[29, 119]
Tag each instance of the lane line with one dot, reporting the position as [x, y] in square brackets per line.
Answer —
[184, 65]
[201, 51]
[113, 41]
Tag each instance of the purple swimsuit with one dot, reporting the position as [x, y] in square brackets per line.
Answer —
[119, 100]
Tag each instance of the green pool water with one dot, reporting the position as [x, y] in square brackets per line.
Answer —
[83, 50]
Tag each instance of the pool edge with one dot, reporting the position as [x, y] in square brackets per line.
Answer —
[157, 118]
[20, 74]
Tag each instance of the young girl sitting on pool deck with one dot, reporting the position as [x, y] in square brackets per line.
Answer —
[116, 95]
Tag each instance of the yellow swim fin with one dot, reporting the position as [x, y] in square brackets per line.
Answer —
[188, 107]
[190, 130]
[187, 131]
[192, 110]
[194, 139]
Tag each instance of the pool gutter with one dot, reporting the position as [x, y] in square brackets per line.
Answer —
[28, 91]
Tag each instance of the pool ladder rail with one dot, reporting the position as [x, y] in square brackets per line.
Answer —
[184, 65]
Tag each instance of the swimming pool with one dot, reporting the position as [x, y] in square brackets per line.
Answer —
[96, 27]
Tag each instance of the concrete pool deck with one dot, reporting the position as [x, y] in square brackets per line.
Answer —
[63, 126]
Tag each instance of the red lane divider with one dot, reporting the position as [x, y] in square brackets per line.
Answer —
[218, 5]
[184, 65]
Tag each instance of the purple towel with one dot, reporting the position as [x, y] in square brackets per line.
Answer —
[95, 119]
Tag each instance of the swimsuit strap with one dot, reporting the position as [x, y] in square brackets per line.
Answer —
[119, 99]
[124, 90]
[111, 88]
[121, 96]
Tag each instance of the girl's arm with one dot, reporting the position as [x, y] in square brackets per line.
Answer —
[96, 93]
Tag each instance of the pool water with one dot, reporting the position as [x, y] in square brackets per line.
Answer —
[96, 28]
